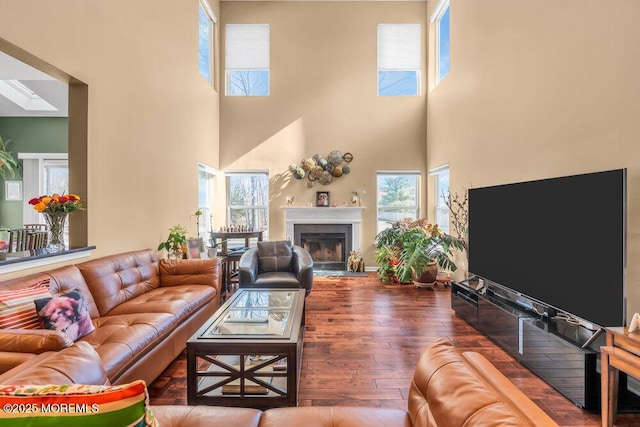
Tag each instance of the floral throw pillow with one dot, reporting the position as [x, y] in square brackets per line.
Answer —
[67, 313]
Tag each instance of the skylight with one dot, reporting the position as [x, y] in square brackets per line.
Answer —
[24, 97]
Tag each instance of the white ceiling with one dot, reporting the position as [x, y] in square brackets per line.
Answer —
[48, 88]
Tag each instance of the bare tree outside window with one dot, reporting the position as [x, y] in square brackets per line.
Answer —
[247, 63]
[249, 200]
[248, 82]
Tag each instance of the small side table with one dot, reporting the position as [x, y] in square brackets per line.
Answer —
[225, 236]
[230, 258]
[622, 353]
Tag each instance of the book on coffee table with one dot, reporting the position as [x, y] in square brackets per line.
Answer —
[249, 388]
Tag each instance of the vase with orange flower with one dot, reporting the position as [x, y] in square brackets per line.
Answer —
[55, 209]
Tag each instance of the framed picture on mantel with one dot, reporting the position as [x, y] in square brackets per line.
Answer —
[322, 199]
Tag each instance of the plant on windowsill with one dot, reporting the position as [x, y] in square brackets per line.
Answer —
[422, 248]
[176, 243]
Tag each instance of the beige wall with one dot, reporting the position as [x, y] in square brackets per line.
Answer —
[323, 97]
[151, 117]
[542, 89]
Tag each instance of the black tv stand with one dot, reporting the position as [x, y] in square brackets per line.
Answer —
[594, 337]
[562, 353]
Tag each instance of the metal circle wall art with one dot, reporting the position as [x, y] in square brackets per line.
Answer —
[321, 169]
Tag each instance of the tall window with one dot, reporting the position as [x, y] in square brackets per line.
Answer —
[441, 20]
[43, 173]
[206, 185]
[55, 175]
[399, 59]
[441, 188]
[397, 196]
[206, 34]
[247, 59]
[248, 199]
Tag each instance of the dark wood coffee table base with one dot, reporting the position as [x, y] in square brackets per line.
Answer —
[247, 372]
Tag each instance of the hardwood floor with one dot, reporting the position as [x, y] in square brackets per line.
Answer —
[363, 339]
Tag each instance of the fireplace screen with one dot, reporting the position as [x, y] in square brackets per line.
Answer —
[325, 250]
[328, 244]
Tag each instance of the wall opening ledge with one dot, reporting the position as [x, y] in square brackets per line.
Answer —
[26, 262]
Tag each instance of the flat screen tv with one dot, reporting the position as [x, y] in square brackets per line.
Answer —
[559, 241]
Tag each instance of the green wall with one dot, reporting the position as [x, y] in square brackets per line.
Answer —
[29, 135]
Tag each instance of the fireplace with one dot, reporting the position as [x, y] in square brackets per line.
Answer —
[327, 243]
[329, 233]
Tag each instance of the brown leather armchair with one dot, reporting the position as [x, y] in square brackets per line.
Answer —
[277, 264]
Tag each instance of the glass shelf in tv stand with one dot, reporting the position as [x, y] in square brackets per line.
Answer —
[547, 319]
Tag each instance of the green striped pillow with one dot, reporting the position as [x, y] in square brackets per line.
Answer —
[76, 405]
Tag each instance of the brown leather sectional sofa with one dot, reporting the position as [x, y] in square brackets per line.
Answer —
[449, 388]
[144, 311]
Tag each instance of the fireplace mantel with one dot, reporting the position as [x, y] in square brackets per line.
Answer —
[337, 215]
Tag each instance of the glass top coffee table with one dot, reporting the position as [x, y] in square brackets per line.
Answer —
[249, 352]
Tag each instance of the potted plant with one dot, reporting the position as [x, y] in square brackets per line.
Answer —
[387, 260]
[176, 243]
[8, 162]
[422, 248]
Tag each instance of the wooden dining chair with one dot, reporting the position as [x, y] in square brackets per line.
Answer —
[38, 240]
[36, 227]
[18, 240]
